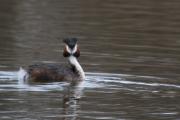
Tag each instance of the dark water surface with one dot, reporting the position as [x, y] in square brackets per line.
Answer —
[130, 50]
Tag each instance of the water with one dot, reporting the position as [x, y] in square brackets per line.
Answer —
[129, 50]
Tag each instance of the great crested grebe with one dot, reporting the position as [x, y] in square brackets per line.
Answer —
[52, 72]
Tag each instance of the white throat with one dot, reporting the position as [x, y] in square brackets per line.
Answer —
[73, 61]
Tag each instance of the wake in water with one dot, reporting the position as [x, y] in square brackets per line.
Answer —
[15, 80]
[5, 75]
[22, 75]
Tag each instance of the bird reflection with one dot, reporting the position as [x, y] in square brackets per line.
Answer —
[71, 97]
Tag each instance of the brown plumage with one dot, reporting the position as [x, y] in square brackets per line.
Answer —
[51, 73]
[54, 72]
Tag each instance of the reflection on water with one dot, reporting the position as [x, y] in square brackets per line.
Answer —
[100, 96]
[130, 52]
[71, 94]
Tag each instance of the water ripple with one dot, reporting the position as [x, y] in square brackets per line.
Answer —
[9, 82]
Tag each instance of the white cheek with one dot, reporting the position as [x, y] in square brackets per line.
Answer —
[75, 49]
[68, 49]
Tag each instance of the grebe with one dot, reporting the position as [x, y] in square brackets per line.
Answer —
[52, 72]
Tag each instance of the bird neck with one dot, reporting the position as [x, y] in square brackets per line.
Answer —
[76, 66]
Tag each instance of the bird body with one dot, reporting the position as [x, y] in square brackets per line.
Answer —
[54, 72]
